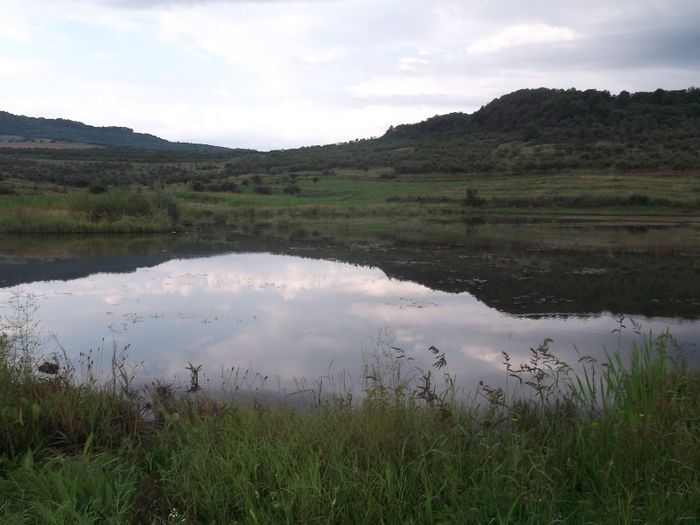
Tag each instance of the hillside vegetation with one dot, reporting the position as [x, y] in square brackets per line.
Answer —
[535, 154]
[525, 131]
[77, 132]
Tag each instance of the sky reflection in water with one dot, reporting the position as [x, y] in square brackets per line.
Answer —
[293, 317]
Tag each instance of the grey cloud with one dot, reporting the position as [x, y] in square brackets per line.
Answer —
[642, 43]
[434, 101]
[150, 4]
[639, 56]
[619, 13]
[658, 47]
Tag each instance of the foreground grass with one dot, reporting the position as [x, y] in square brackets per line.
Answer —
[615, 443]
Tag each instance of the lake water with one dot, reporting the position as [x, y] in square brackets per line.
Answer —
[306, 306]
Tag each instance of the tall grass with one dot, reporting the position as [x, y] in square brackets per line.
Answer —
[42, 224]
[114, 211]
[616, 443]
[117, 204]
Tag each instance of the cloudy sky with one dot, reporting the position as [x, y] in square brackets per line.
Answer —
[282, 73]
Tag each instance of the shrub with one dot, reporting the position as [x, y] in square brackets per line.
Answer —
[165, 202]
[97, 188]
[112, 205]
[473, 199]
[292, 189]
[224, 186]
[638, 200]
[263, 190]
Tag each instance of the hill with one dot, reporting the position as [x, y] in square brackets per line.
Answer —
[70, 131]
[535, 131]
[556, 114]
[556, 129]
[528, 130]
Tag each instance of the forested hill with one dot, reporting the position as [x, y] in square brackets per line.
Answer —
[77, 132]
[530, 130]
[558, 114]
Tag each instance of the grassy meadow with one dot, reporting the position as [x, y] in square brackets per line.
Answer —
[617, 442]
[346, 195]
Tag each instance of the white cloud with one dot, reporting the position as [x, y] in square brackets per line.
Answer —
[412, 63]
[522, 34]
[395, 85]
[14, 67]
[15, 23]
[14, 31]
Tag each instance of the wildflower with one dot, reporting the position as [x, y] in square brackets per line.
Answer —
[640, 415]
[174, 516]
[594, 424]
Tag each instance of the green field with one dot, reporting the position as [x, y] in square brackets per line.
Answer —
[351, 195]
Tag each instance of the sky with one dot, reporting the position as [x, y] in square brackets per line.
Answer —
[286, 73]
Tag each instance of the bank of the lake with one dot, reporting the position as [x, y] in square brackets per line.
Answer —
[620, 441]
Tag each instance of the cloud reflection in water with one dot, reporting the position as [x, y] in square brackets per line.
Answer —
[294, 317]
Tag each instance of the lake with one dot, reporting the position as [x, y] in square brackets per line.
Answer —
[308, 305]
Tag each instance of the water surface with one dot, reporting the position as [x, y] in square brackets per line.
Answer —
[309, 306]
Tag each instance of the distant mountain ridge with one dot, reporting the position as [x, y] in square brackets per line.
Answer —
[78, 132]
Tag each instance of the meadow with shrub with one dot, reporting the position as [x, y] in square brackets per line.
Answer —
[532, 153]
[345, 197]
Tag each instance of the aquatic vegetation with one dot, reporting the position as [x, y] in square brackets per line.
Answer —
[618, 439]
